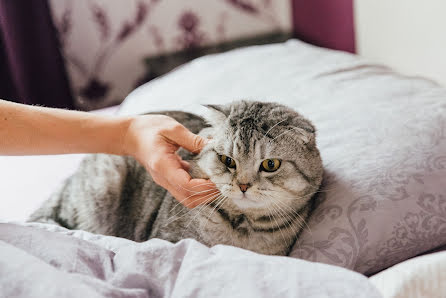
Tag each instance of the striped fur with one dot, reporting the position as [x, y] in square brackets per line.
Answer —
[114, 195]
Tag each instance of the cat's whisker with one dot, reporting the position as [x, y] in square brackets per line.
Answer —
[287, 131]
[284, 208]
[214, 192]
[186, 211]
[192, 191]
[278, 226]
[207, 200]
[220, 201]
[198, 212]
[287, 216]
[270, 219]
[301, 197]
[217, 205]
[271, 128]
[194, 200]
[201, 184]
[207, 183]
[217, 197]
[296, 230]
[303, 221]
[309, 229]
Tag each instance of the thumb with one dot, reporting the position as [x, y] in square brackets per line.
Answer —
[186, 139]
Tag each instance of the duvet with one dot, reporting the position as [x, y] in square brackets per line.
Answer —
[38, 260]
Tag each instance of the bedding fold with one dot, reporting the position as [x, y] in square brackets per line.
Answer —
[40, 260]
[418, 277]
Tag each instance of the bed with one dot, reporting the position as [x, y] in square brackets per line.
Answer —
[382, 137]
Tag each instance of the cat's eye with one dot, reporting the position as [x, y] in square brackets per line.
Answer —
[229, 162]
[270, 165]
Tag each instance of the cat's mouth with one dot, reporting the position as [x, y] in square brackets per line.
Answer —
[245, 200]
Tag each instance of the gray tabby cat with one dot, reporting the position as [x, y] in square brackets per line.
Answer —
[263, 160]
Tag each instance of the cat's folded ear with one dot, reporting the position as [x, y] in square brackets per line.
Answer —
[305, 130]
[307, 136]
[217, 114]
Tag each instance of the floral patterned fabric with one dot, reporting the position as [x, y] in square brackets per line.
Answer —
[105, 42]
[382, 138]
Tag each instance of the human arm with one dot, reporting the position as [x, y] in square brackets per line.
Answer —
[151, 139]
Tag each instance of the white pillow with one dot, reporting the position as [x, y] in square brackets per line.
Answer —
[382, 137]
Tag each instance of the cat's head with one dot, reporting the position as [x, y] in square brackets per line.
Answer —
[262, 155]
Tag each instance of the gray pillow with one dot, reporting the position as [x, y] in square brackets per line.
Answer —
[382, 137]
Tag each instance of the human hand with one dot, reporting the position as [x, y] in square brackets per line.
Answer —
[153, 140]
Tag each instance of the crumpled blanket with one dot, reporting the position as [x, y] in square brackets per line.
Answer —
[418, 277]
[38, 260]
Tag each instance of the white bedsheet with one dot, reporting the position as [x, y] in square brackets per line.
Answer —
[27, 181]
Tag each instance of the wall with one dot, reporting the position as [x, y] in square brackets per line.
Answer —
[407, 35]
[326, 23]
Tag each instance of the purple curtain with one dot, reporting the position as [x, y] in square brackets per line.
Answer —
[326, 23]
[31, 66]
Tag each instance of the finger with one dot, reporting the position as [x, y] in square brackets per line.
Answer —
[182, 186]
[170, 174]
[186, 139]
[171, 169]
[185, 165]
[203, 192]
[208, 191]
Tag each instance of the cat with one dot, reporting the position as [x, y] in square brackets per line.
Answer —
[262, 158]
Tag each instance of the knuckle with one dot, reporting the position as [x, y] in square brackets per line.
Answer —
[177, 126]
[156, 180]
[198, 142]
[155, 177]
[155, 164]
[173, 128]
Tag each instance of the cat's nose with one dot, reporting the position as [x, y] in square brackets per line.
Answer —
[244, 187]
